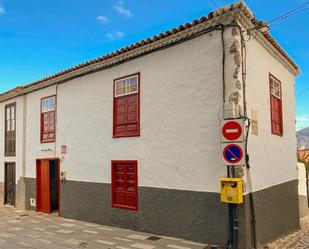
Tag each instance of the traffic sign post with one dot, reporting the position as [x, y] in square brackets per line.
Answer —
[232, 134]
[232, 130]
[233, 154]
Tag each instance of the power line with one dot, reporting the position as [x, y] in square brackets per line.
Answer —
[215, 4]
[301, 8]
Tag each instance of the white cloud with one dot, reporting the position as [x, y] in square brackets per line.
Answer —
[302, 121]
[102, 19]
[119, 7]
[2, 10]
[116, 35]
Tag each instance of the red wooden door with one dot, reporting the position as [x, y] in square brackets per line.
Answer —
[43, 187]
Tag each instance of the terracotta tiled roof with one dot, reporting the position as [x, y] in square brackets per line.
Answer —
[239, 6]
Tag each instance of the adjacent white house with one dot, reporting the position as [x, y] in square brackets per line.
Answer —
[132, 139]
[303, 190]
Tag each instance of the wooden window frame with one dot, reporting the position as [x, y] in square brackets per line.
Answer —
[113, 186]
[137, 134]
[274, 132]
[41, 120]
[6, 153]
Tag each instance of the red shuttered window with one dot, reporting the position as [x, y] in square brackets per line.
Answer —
[124, 184]
[48, 119]
[276, 106]
[127, 106]
[10, 129]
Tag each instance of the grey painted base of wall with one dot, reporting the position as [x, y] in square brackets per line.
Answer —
[191, 215]
[276, 213]
[197, 216]
[30, 192]
[20, 194]
[303, 206]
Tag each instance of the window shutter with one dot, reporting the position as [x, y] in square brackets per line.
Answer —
[10, 130]
[48, 119]
[124, 184]
[276, 106]
[132, 124]
[126, 115]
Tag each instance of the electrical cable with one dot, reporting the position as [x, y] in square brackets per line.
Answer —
[215, 4]
[244, 74]
[252, 209]
[294, 11]
[233, 221]
[230, 207]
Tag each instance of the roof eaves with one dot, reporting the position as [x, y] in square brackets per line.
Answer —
[145, 46]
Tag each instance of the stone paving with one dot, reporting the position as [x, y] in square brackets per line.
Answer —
[21, 229]
[297, 240]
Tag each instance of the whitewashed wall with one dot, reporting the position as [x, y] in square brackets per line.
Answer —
[272, 157]
[179, 146]
[302, 180]
[34, 149]
[181, 100]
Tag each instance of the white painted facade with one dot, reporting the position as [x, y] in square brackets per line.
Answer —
[302, 190]
[180, 100]
[181, 108]
[272, 157]
[302, 180]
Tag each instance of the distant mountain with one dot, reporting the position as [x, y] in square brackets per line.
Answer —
[303, 139]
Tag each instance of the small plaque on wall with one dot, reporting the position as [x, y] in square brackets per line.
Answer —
[63, 149]
[254, 122]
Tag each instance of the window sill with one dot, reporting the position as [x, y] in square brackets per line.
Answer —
[125, 207]
[10, 155]
[131, 135]
[49, 141]
[277, 134]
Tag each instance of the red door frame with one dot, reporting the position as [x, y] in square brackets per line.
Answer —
[38, 161]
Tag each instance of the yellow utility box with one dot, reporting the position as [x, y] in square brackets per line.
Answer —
[231, 190]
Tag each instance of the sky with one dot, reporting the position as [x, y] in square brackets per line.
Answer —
[39, 38]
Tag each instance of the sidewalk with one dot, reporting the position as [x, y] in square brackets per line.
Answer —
[27, 229]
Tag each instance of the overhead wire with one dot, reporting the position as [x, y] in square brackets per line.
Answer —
[214, 3]
[299, 9]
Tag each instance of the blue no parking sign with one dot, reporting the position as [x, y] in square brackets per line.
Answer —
[233, 154]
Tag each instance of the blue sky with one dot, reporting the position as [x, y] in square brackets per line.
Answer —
[39, 38]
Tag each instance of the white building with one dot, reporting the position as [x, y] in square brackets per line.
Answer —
[303, 190]
[136, 137]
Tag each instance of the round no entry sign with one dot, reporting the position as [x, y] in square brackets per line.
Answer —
[233, 153]
[232, 130]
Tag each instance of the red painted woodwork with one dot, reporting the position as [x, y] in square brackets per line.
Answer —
[48, 123]
[126, 121]
[124, 184]
[43, 187]
[10, 130]
[276, 109]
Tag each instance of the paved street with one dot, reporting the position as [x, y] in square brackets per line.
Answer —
[26, 229]
[297, 240]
